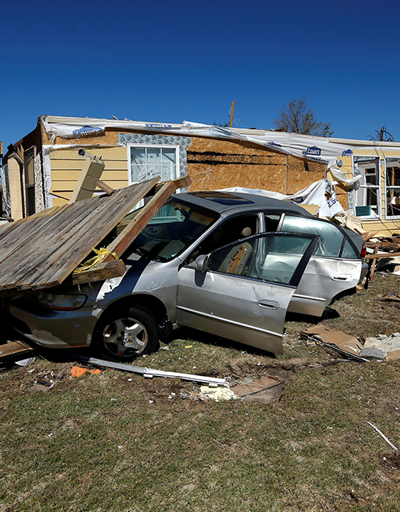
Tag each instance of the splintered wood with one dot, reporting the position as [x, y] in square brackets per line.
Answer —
[42, 251]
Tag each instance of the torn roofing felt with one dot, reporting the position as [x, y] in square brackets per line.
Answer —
[41, 251]
[310, 147]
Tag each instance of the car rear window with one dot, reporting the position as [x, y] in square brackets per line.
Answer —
[330, 243]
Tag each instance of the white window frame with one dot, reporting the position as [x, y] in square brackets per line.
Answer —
[377, 187]
[387, 188]
[153, 146]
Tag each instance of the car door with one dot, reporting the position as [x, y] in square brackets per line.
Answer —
[242, 291]
[334, 267]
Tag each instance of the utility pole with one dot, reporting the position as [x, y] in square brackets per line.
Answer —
[232, 111]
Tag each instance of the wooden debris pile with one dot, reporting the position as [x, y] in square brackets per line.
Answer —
[43, 250]
[380, 247]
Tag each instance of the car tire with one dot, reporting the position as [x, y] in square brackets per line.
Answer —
[126, 334]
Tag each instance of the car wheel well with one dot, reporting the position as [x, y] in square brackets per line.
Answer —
[153, 305]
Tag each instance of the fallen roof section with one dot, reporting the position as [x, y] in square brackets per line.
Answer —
[42, 251]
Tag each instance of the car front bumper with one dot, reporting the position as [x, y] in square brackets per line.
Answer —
[52, 328]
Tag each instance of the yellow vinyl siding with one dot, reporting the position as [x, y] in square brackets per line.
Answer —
[66, 166]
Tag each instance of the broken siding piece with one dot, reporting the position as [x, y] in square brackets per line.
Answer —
[88, 178]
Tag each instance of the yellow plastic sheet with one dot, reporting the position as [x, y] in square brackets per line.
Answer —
[101, 254]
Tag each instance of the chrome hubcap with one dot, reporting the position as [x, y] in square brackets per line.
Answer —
[125, 336]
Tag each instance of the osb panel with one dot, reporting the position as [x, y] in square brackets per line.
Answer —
[214, 164]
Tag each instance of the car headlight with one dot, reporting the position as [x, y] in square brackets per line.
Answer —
[57, 300]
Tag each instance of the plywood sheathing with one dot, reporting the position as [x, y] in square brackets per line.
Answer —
[214, 164]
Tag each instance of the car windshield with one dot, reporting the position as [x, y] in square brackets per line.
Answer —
[173, 228]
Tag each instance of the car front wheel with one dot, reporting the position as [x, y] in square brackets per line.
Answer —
[125, 335]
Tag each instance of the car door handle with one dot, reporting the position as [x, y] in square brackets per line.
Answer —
[270, 304]
[341, 277]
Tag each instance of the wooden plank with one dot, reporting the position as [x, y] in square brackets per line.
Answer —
[131, 231]
[368, 236]
[56, 246]
[86, 235]
[43, 213]
[373, 265]
[11, 349]
[99, 272]
[56, 231]
[382, 255]
[104, 187]
[183, 181]
[23, 234]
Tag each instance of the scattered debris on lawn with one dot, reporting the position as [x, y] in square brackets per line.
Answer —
[388, 345]
[380, 348]
[392, 298]
[264, 389]
[77, 371]
[150, 373]
[218, 394]
[383, 436]
[338, 341]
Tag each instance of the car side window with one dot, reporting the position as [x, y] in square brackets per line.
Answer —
[331, 240]
[271, 222]
[226, 233]
[349, 251]
[267, 257]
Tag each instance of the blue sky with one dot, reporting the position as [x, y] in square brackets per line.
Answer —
[162, 61]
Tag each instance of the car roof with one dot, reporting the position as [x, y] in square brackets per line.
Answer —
[224, 202]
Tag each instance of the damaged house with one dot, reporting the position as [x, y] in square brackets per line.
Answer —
[41, 170]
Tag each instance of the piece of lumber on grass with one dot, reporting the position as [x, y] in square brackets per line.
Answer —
[135, 226]
[99, 272]
[14, 348]
[382, 255]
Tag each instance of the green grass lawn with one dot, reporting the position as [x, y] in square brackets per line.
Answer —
[119, 442]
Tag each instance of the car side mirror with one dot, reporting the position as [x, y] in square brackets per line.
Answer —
[201, 263]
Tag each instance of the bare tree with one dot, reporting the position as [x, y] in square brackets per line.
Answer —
[298, 117]
[382, 135]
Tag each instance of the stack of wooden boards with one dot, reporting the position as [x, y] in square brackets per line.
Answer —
[43, 250]
[383, 247]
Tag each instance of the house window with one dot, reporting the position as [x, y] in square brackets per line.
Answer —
[392, 180]
[367, 197]
[30, 181]
[147, 162]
